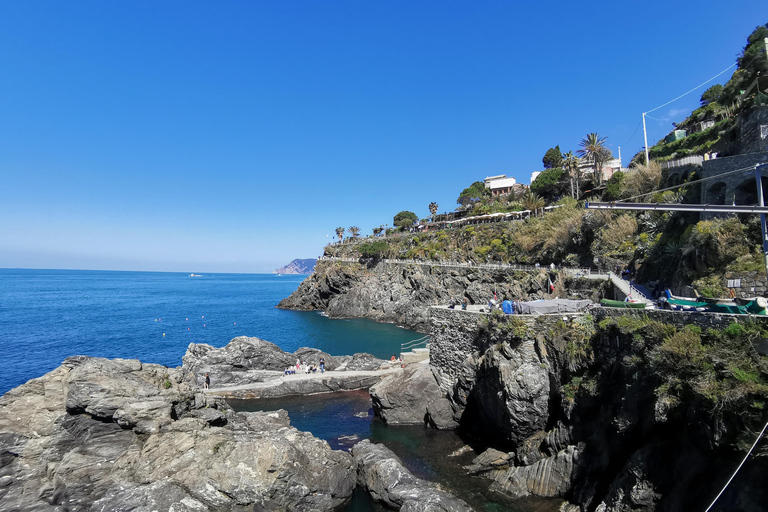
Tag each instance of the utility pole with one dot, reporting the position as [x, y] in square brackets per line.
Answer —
[645, 136]
[761, 202]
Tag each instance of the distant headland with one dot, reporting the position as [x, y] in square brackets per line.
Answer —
[299, 266]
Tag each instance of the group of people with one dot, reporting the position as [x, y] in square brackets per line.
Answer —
[304, 367]
[453, 302]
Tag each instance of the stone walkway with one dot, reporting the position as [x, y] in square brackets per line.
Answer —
[304, 384]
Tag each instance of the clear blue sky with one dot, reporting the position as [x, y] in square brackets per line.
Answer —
[235, 136]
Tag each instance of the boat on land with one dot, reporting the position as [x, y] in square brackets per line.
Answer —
[607, 303]
[734, 306]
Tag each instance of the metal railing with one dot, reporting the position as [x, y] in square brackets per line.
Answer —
[572, 271]
[410, 345]
[627, 288]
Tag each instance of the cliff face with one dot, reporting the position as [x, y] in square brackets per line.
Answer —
[402, 293]
[299, 266]
[615, 411]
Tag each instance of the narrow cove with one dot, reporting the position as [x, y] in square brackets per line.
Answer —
[345, 418]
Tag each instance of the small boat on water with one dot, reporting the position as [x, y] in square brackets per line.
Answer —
[195, 275]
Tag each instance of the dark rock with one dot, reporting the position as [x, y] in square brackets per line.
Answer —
[412, 397]
[62, 449]
[381, 473]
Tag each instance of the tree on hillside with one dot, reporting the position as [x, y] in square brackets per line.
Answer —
[377, 231]
[433, 209]
[552, 158]
[473, 193]
[405, 219]
[550, 184]
[533, 202]
[571, 166]
[711, 94]
[354, 231]
[594, 150]
[751, 62]
[340, 233]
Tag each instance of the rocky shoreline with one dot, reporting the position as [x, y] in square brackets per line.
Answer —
[403, 294]
[101, 435]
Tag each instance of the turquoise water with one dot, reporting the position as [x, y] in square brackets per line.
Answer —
[48, 315]
[345, 418]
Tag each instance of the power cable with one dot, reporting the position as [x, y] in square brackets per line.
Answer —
[751, 168]
[737, 469]
[689, 92]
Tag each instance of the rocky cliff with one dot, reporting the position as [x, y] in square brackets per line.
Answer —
[299, 266]
[614, 411]
[402, 293]
[98, 434]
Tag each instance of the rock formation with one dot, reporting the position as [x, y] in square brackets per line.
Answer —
[403, 293]
[412, 397]
[383, 475]
[246, 360]
[102, 435]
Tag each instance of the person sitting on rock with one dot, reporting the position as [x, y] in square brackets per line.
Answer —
[314, 368]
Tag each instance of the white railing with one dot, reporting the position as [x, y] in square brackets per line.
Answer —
[627, 289]
[410, 345]
[680, 162]
[571, 271]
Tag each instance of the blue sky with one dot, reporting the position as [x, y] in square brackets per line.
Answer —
[235, 136]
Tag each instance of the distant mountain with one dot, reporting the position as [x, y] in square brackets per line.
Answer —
[306, 266]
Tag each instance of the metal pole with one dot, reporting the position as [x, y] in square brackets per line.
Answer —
[645, 135]
[761, 202]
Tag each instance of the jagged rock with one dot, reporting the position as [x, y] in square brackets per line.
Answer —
[63, 449]
[412, 397]
[491, 460]
[631, 490]
[246, 360]
[548, 477]
[511, 391]
[403, 293]
[386, 479]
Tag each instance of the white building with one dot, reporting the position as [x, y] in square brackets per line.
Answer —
[535, 175]
[500, 184]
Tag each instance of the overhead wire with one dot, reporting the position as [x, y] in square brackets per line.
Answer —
[750, 168]
[689, 92]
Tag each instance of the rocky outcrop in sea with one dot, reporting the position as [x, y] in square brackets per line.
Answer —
[403, 293]
[98, 435]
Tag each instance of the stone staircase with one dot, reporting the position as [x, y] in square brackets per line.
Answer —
[415, 350]
[628, 290]
[416, 355]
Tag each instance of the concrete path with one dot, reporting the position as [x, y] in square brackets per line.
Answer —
[304, 384]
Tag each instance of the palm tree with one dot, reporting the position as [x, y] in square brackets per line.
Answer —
[354, 231]
[533, 202]
[571, 165]
[340, 233]
[433, 209]
[594, 150]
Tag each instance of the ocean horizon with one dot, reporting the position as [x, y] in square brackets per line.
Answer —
[47, 315]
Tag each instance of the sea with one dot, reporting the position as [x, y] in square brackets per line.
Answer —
[49, 315]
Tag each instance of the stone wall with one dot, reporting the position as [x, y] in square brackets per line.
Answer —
[750, 284]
